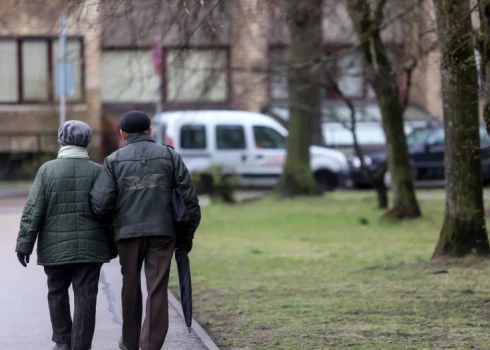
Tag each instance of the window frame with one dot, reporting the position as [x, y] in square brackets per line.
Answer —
[217, 126]
[163, 71]
[204, 128]
[49, 40]
[330, 95]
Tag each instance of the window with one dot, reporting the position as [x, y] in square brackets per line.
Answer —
[268, 138]
[229, 137]
[193, 137]
[27, 72]
[350, 75]
[279, 58]
[436, 138]
[8, 72]
[417, 136]
[196, 75]
[348, 72]
[128, 76]
[73, 55]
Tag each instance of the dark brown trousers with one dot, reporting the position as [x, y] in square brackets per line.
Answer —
[157, 254]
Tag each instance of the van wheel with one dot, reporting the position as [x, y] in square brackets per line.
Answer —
[326, 180]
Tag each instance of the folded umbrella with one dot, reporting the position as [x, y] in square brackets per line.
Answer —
[183, 267]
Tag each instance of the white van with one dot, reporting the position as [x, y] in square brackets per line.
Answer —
[248, 144]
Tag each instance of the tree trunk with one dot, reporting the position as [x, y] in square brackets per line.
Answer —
[381, 191]
[305, 25]
[317, 133]
[463, 231]
[379, 72]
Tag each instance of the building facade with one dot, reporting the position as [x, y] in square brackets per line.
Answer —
[227, 57]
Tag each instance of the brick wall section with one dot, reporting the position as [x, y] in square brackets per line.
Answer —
[28, 18]
[249, 49]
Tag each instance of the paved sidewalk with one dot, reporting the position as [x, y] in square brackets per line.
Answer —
[24, 318]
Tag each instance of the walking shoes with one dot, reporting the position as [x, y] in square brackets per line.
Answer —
[123, 347]
[62, 347]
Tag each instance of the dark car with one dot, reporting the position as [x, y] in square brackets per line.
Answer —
[426, 148]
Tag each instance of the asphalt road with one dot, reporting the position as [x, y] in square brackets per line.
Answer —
[24, 316]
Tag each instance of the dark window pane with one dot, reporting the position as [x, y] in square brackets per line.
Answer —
[193, 137]
[230, 137]
[268, 138]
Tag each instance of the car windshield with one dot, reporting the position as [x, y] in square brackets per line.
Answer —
[418, 136]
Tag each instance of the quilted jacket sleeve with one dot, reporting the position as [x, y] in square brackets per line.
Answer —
[33, 216]
[188, 191]
[104, 193]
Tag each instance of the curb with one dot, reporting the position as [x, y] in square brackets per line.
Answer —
[196, 327]
[14, 192]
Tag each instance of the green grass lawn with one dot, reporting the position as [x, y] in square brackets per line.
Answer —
[306, 274]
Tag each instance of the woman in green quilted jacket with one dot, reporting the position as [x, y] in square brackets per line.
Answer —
[72, 244]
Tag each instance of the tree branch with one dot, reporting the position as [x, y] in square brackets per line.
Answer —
[408, 84]
[335, 87]
[379, 11]
[200, 24]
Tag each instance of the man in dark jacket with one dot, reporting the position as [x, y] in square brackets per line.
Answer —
[72, 242]
[135, 189]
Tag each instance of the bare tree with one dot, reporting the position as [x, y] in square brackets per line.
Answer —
[368, 25]
[463, 231]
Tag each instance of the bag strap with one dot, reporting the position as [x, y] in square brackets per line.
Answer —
[174, 182]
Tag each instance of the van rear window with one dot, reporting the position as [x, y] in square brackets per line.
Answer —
[193, 137]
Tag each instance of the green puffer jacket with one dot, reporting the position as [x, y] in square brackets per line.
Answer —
[58, 212]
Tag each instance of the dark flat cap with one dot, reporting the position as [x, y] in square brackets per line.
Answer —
[134, 122]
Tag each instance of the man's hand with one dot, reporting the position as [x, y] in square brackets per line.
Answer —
[23, 259]
[185, 243]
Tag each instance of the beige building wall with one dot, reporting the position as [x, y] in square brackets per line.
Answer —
[249, 52]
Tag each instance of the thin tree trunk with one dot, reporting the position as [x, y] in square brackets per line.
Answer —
[463, 231]
[385, 85]
[305, 25]
[381, 191]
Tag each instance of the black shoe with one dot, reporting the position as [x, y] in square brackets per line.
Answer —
[123, 347]
[62, 347]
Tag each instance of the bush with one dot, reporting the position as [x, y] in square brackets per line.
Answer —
[217, 183]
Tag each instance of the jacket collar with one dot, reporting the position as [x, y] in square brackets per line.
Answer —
[142, 136]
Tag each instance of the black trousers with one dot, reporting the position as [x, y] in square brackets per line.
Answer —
[85, 279]
[156, 253]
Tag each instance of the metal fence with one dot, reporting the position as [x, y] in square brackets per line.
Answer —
[22, 153]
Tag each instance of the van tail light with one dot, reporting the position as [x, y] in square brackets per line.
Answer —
[170, 142]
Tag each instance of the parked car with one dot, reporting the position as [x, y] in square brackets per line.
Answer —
[250, 145]
[426, 148]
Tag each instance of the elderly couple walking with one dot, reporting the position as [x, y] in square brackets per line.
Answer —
[76, 208]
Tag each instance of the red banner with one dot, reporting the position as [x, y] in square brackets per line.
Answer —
[157, 55]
